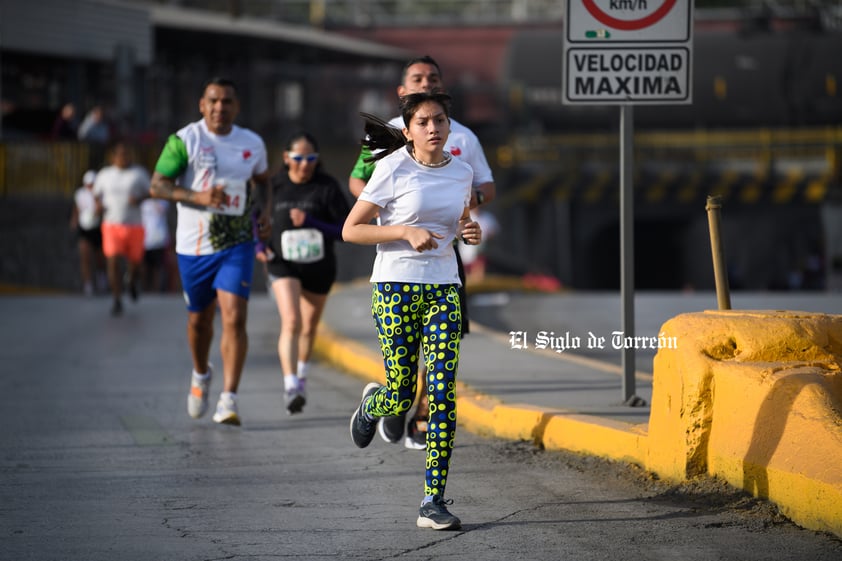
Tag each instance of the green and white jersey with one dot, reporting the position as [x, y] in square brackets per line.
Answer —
[199, 159]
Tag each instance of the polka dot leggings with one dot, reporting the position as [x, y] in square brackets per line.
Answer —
[409, 316]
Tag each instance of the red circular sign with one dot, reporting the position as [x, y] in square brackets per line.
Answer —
[628, 25]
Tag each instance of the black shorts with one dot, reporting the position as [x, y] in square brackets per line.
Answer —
[93, 236]
[315, 277]
[154, 257]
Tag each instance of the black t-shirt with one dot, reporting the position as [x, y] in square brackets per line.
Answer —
[321, 198]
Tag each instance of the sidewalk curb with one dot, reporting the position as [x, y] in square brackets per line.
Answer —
[552, 429]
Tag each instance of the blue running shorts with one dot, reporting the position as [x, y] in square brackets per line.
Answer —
[230, 270]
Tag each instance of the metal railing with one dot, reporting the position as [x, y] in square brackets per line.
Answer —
[40, 168]
[556, 162]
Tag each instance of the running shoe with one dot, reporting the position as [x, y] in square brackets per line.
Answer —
[197, 399]
[302, 390]
[117, 308]
[390, 429]
[416, 436]
[294, 401]
[226, 410]
[435, 515]
[362, 430]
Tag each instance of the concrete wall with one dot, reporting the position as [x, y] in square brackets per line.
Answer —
[755, 398]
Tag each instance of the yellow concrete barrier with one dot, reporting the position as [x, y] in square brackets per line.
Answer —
[755, 398]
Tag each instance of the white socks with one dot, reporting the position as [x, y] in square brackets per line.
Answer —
[290, 382]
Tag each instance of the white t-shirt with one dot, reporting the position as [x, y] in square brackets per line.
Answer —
[411, 194]
[155, 226]
[463, 144]
[232, 158]
[86, 206]
[117, 187]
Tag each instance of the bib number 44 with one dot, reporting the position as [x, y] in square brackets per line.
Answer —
[235, 197]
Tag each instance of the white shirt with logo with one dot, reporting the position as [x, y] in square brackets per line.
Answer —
[213, 159]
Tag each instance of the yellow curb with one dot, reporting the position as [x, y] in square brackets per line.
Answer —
[597, 436]
[22, 290]
[489, 416]
[348, 355]
[475, 411]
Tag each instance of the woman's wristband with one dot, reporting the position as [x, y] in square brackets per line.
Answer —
[480, 196]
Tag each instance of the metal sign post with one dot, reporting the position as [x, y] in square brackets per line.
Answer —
[626, 53]
[627, 249]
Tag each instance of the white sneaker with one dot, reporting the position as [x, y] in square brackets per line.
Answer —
[197, 399]
[226, 410]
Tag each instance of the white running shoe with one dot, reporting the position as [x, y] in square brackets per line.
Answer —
[197, 399]
[226, 410]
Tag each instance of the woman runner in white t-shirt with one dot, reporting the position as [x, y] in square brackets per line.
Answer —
[422, 197]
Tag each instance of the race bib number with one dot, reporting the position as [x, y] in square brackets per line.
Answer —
[235, 197]
[302, 245]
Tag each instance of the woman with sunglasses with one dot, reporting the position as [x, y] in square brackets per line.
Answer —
[422, 196]
[308, 210]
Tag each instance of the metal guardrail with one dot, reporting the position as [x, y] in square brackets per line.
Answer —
[793, 164]
[38, 168]
[754, 145]
[51, 169]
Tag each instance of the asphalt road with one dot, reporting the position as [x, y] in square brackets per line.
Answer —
[100, 462]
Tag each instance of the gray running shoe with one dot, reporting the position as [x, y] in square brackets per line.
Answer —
[390, 429]
[294, 401]
[436, 516]
[362, 430]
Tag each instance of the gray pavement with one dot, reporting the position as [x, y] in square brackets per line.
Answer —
[100, 461]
